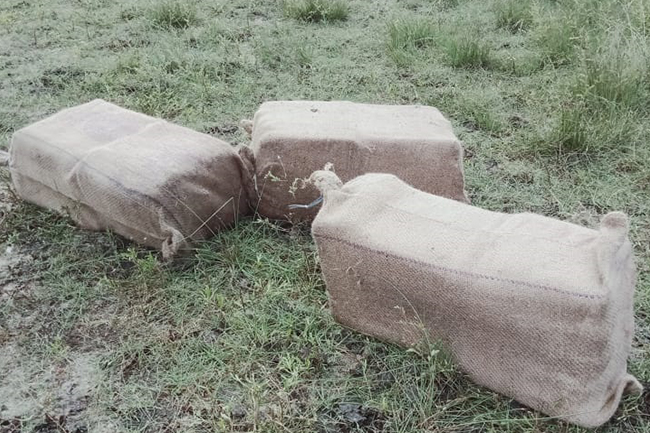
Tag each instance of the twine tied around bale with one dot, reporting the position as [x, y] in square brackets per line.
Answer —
[325, 180]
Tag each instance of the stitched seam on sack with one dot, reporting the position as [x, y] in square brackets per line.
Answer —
[419, 215]
[82, 161]
[459, 272]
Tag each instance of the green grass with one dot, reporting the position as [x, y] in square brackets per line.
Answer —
[173, 14]
[468, 52]
[557, 39]
[571, 132]
[409, 34]
[407, 37]
[238, 336]
[513, 15]
[315, 11]
[617, 74]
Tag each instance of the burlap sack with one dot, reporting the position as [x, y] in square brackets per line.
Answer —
[292, 139]
[151, 181]
[534, 308]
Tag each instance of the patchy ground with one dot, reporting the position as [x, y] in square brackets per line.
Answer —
[550, 98]
[55, 389]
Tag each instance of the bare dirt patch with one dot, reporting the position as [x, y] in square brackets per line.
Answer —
[43, 386]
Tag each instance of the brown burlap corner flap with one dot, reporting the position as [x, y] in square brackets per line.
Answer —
[531, 307]
[247, 126]
[249, 178]
[631, 385]
[615, 227]
[612, 251]
[174, 242]
[4, 158]
[325, 181]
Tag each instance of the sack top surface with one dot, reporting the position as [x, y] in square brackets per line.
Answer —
[382, 213]
[341, 120]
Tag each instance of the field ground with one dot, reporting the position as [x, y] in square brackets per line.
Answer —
[551, 99]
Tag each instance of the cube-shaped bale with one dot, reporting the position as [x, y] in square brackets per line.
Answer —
[292, 139]
[151, 181]
[534, 308]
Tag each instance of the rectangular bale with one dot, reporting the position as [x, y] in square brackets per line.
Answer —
[159, 184]
[531, 307]
[292, 139]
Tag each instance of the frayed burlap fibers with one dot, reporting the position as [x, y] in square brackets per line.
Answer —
[292, 139]
[151, 181]
[534, 308]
